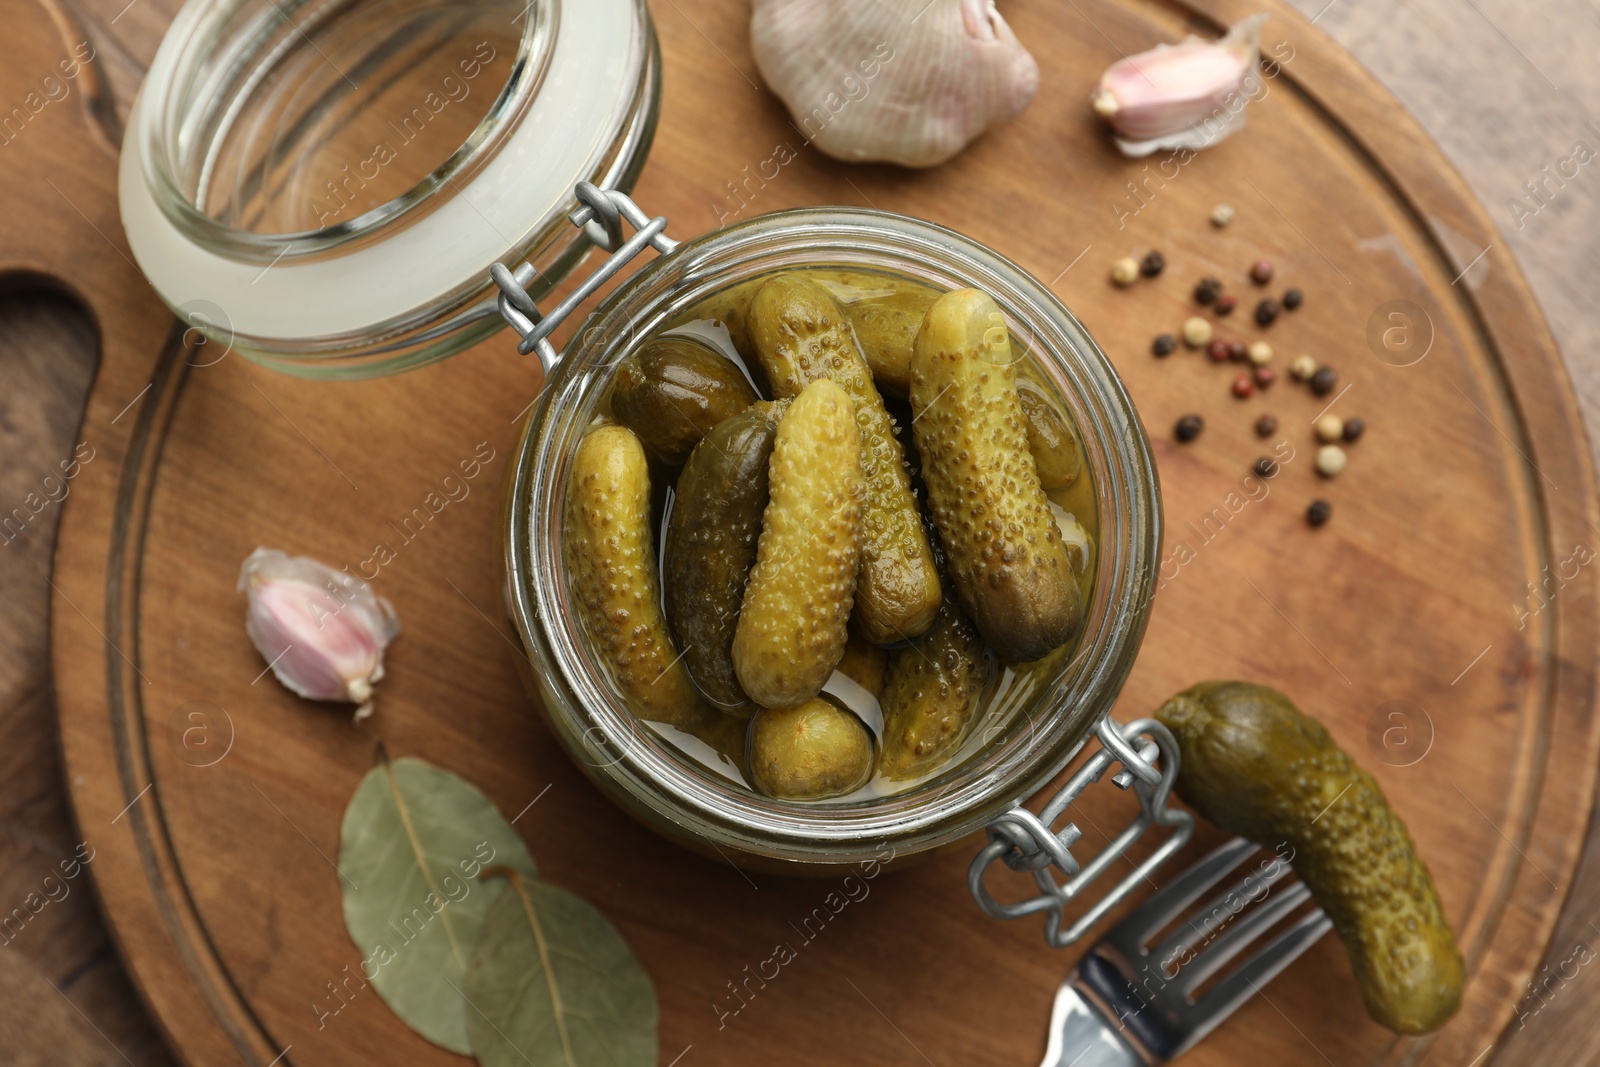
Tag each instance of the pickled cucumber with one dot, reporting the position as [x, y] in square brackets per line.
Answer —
[792, 624]
[1051, 438]
[886, 327]
[801, 336]
[930, 696]
[710, 546]
[611, 563]
[811, 752]
[1254, 765]
[1011, 570]
[728, 307]
[865, 664]
[673, 391]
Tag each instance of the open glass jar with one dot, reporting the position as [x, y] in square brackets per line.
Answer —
[635, 763]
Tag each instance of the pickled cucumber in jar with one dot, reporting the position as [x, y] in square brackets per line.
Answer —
[758, 603]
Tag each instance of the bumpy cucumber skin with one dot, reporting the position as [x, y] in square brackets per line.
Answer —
[802, 336]
[930, 695]
[675, 390]
[1006, 557]
[710, 546]
[611, 564]
[1254, 765]
[1051, 439]
[887, 328]
[811, 752]
[793, 622]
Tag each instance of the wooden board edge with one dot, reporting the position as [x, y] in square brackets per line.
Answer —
[1538, 387]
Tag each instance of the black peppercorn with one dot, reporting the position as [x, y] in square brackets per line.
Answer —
[1238, 352]
[1265, 467]
[1266, 426]
[1152, 264]
[1353, 429]
[1292, 299]
[1323, 381]
[1318, 512]
[1164, 345]
[1267, 312]
[1207, 291]
[1189, 428]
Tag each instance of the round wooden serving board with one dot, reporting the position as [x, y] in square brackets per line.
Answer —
[1472, 482]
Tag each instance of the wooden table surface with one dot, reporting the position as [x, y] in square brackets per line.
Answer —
[1508, 91]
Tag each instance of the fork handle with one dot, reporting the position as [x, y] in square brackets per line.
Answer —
[1081, 1036]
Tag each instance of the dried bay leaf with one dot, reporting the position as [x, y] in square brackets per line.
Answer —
[414, 840]
[553, 983]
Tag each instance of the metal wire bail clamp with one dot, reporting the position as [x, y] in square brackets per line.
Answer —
[600, 215]
[1024, 841]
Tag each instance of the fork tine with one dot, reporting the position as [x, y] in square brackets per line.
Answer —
[1193, 932]
[1184, 890]
[1240, 936]
[1262, 967]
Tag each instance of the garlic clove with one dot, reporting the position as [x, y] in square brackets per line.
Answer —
[322, 631]
[899, 81]
[1188, 95]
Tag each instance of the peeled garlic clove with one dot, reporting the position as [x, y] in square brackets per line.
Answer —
[322, 631]
[1187, 95]
[898, 81]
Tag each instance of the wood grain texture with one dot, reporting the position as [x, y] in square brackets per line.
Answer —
[722, 30]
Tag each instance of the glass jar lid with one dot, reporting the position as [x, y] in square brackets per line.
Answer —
[323, 186]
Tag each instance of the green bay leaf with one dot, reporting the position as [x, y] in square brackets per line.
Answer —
[552, 983]
[414, 840]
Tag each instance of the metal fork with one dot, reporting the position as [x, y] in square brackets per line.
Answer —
[1125, 1005]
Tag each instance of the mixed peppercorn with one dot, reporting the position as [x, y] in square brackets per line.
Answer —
[1199, 333]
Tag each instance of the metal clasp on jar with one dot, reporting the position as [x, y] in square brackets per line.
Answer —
[600, 217]
[1024, 841]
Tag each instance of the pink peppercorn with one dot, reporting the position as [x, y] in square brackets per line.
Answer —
[1243, 387]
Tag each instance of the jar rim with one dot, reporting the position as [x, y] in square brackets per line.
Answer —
[168, 134]
[622, 753]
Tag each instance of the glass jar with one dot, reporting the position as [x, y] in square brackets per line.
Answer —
[636, 765]
[323, 185]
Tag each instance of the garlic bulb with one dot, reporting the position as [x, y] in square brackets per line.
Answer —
[321, 631]
[1188, 95]
[898, 81]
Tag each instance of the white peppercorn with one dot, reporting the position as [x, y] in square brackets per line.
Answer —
[1196, 332]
